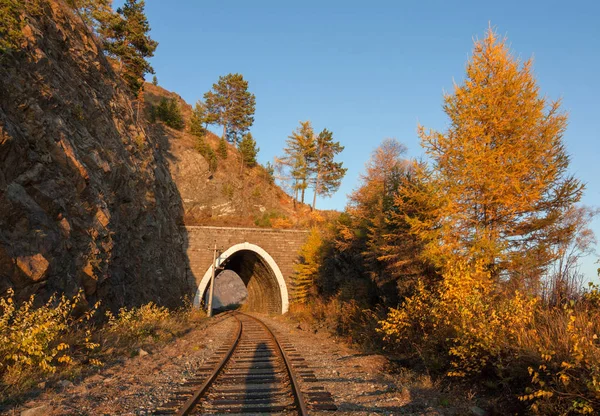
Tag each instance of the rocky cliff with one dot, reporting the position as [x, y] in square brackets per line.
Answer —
[86, 198]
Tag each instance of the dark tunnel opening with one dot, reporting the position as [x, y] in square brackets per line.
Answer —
[263, 292]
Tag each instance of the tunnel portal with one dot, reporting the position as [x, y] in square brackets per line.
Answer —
[267, 290]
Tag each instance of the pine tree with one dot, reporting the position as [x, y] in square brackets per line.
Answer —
[169, 112]
[96, 14]
[222, 149]
[500, 169]
[326, 174]
[199, 120]
[248, 150]
[154, 80]
[126, 38]
[299, 151]
[270, 170]
[231, 105]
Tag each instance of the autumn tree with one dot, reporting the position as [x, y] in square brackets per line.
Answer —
[307, 269]
[326, 173]
[231, 105]
[126, 39]
[370, 205]
[500, 168]
[298, 155]
[248, 150]
[377, 227]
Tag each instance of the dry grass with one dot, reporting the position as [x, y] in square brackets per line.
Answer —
[346, 319]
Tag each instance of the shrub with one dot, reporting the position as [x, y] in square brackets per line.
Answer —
[34, 342]
[137, 323]
[346, 319]
[228, 191]
[11, 24]
[54, 340]
[468, 327]
[265, 220]
[565, 344]
[466, 318]
[208, 153]
[282, 222]
[168, 112]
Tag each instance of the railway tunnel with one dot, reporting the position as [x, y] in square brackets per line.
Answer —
[266, 286]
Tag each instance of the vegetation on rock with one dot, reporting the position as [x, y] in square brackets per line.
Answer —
[168, 112]
[126, 38]
[248, 150]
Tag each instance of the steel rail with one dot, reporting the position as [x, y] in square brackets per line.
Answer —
[191, 403]
[298, 396]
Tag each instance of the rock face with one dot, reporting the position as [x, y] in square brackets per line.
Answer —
[87, 201]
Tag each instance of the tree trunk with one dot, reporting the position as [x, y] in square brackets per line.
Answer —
[317, 177]
[224, 131]
[303, 189]
[314, 204]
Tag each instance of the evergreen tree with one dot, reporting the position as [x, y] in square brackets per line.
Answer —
[126, 38]
[96, 14]
[169, 112]
[248, 150]
[154, 80]
[222, 149]
[231, 105]
[326, 174]
[199, 120]
[270, 170]
[500, 169]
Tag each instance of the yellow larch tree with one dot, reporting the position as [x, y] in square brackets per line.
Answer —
[500, 168]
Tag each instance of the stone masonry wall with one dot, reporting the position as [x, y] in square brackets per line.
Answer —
[282, 245]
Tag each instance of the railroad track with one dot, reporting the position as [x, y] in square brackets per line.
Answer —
[256, 373]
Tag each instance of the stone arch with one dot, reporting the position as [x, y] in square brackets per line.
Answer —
[259, 272]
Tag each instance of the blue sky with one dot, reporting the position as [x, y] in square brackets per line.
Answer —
[370, 70]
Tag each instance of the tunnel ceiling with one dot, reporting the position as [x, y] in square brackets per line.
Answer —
[263, 290]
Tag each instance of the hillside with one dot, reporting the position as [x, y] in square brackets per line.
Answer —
[225, 197]
[92, 197]
[87, 201]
